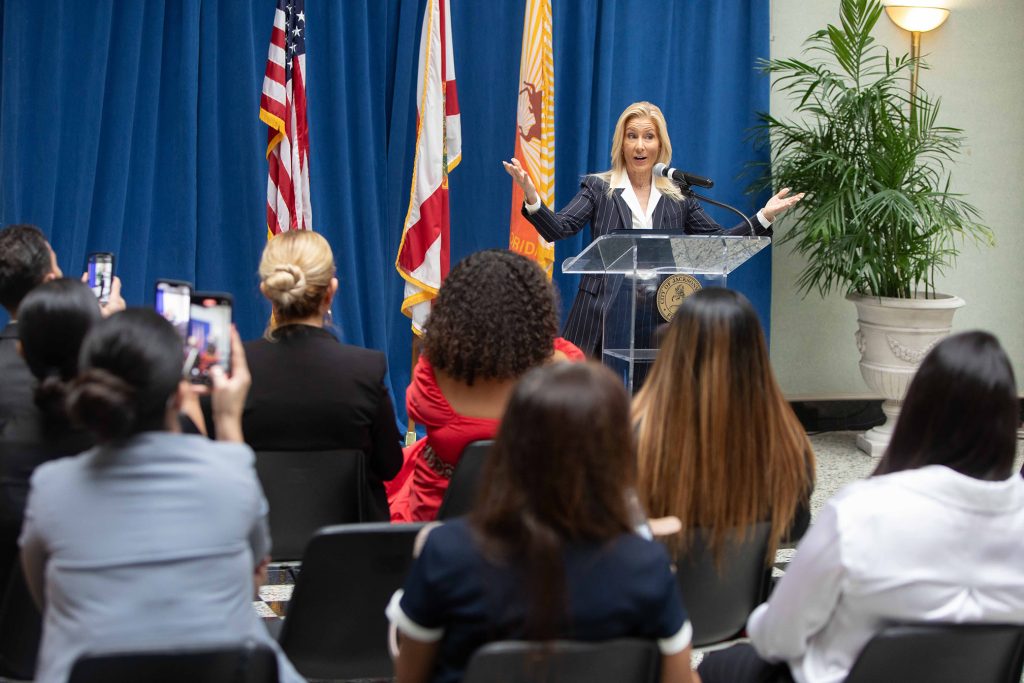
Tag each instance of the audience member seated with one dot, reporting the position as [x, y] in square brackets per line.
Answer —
[718, 445]
[934, 535]
[152, 539]
[26, 260]
[548, 550]
[494, 318]
[53, 319]
[343, 402]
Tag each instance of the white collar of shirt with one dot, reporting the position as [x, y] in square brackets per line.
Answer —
[641, 220]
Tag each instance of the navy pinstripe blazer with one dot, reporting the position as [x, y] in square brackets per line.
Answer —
[606, 213]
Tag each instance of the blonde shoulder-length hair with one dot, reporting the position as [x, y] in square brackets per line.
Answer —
[650, 111]
[718, 445]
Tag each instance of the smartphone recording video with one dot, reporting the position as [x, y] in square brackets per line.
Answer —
[173, 301]
[209, 335]
[100, 269]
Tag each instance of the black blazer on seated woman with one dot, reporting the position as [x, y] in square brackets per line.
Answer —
[605, 213]
[311, 393]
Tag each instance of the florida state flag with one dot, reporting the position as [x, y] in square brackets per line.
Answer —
[535, 130]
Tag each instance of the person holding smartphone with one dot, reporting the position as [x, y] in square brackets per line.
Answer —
[26, 260]
[53, 320]
[114, 535]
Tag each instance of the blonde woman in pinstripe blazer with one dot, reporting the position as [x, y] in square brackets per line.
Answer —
[627, 197]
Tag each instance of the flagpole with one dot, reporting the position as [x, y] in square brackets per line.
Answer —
[410, 434]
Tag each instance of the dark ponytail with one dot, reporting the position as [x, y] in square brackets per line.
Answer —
[53, 319]
[130, 367]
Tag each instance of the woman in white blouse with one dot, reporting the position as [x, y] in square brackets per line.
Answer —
[934, 535]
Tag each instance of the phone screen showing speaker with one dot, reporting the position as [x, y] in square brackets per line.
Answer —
[174, 302]
[101, 275]
[209, 335]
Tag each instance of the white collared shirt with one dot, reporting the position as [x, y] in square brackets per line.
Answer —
[641, 220]
[920, 545]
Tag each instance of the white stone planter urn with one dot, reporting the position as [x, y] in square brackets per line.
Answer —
[893, 337]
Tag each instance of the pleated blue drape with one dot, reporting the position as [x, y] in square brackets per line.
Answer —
[131, 126]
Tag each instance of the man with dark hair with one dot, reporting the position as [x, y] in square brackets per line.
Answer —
[26, 260]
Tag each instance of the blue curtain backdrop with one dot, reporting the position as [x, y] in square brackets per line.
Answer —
[131, 126]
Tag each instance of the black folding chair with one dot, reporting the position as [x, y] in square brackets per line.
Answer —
[244, 663]
[335, 626]
[307, 490]
[613, 661]
[458, 499]
[942, 653]
[21, 627]
[720, 596]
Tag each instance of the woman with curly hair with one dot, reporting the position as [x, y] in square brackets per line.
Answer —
[493, 319]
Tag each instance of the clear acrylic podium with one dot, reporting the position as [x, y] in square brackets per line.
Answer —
[647, 275]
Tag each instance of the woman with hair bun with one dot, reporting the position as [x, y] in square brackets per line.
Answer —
[53, 318]
[343, 403]
[153, 539]
[494, 318]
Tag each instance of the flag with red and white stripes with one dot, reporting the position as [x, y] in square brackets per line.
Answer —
[283, 108]
[424, 252]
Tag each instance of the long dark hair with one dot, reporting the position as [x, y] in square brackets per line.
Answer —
[718, 444]
[130, 366]
[559, 471]
[961, 411]
[53, 319]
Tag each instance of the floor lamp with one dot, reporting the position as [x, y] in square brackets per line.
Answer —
[917, 20]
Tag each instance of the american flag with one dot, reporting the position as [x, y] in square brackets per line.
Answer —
[283, 108]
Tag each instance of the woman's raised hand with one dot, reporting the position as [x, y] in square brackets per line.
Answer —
[522, 178]
[779, 204]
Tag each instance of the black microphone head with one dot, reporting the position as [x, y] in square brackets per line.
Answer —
[661, 169]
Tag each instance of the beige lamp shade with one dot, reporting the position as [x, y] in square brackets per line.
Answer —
[917, 19]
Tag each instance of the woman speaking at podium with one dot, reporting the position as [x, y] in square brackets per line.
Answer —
[629, 196]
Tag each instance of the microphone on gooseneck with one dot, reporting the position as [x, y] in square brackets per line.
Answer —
[688, 179]
[682, 176]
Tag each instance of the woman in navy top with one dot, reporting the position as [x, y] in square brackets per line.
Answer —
[548, 551]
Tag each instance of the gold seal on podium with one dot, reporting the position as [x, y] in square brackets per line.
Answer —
[672, 291]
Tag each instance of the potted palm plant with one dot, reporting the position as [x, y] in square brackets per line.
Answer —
[879, 220]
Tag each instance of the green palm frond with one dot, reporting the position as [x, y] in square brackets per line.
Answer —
[879, 217]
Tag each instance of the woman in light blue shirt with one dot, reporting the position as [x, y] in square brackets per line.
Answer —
[152, 539]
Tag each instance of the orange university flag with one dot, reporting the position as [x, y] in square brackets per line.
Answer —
[535, 131]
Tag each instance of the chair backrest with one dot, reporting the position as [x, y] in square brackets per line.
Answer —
[942, 653]
[613, 661]
[21, 626]
[720, 596]
[307, 490]
[244, 663]
[458, 499]
[335, 625]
